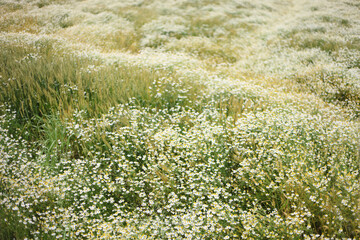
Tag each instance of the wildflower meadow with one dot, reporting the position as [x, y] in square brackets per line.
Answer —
[179, 119]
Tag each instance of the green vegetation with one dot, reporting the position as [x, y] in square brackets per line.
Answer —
[179, 120]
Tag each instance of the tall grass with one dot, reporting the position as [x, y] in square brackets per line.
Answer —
[40, 81]
[45, 86]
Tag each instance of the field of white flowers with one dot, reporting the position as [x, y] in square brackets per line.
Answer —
[179, 119]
